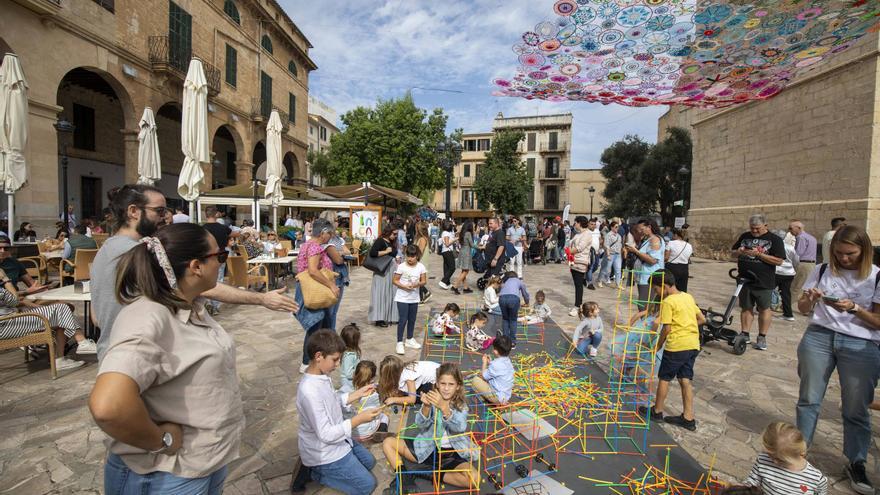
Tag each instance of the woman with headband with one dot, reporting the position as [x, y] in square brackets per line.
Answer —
[167, 390]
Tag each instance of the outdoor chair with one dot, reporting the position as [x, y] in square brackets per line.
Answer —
[356, 251]
[242, 276]
[82, 264]
[288, 246]
[47, 337]
[51, 263]
[99, 239]
[37, 268]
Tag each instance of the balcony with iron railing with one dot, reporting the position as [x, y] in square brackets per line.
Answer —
[549, 175]
[557, 147]
[262, 109]
[466, 181]
[176, 62]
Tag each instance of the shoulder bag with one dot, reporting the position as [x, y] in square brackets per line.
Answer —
[378, 264]
[315, 294]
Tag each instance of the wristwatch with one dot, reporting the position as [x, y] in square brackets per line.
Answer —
[855, 309]
[167, 441]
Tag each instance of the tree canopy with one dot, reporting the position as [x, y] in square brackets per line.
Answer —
[391, 145]
[503, 180]
[644, 179]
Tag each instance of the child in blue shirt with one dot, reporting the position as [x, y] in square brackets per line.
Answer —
[495, 382]
[508, 299]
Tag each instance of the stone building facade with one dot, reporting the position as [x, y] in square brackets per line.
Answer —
[546, 150]
[322, 127]
[100, 63]
[810, 153]
[579, 183]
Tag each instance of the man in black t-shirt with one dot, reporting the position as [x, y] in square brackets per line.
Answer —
[221, 233]
[758, 253]
[495, 247]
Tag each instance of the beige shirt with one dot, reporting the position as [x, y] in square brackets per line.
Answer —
[581, 243]
[184, 365]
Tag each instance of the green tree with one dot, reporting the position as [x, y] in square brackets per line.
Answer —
[625, 194]
[319, 162]
[391, 145]
[503, 180]
[661, 171]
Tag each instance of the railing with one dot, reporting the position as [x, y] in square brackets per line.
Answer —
[559, 147]
[559, 175]
[262, 109]
[164, 59]
[466, 181]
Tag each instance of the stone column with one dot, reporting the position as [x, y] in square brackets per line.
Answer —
[131, 143]
[38, 201]
[243, 175]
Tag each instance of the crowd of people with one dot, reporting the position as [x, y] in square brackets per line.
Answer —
[167, 391]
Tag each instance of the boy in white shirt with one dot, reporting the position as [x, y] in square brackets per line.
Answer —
[327, 452]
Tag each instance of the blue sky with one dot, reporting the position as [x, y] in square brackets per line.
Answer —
[367, 50]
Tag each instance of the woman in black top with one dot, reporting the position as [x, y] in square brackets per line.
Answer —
[382, 307]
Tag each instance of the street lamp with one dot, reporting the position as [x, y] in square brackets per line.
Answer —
[592, 191]
[256, 214]
[448, 155]
[683, 174]
[64, 128]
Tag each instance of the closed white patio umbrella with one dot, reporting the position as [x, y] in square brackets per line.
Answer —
[13, 129]
[194, 133]
[149, 161]
[274, 167]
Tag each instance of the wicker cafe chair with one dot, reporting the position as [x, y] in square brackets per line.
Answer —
[356, 250]
[47, 336]
[37, 268]
[242, 276]
[82, 264]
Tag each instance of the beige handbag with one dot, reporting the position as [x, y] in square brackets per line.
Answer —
[315, 294]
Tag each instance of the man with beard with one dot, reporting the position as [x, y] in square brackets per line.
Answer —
[138, 212]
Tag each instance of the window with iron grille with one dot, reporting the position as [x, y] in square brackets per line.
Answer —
[266, 43]
[232, 11]
[84, 132]
[291, 66]
[291, 110]
[231, 65]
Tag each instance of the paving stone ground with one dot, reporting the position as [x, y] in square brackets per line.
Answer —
[49, 443]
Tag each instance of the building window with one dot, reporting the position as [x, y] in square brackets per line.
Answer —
[551, 198]
[483, 145]
[291, 108]
[554, 141]
[467, 170]
[232, 11]
[265, 94]
[179, 37]
[291, 66]
[311, 130]
[107, 4]
[470, 145]
[266, 43]
[467, 199]
[552, 169]
[231, 65]
[84, 133]
[530, 168]
[530, 142]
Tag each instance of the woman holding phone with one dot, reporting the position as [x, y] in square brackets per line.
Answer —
[844, 333]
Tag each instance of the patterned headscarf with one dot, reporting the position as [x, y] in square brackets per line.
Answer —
[155, 246]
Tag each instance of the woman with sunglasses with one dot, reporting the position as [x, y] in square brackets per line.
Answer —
[271, 244]
[167, 390]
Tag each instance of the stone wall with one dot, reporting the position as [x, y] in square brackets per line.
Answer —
[809, 153]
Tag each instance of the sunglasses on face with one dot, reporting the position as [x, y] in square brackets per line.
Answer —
[221, 256]
[160, 210]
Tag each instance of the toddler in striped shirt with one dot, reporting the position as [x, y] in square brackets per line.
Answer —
[783, 468]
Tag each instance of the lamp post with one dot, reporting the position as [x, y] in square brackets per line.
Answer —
[448, 155]
[592, 191]
[256, 214]
[64, 128]
[683, 174]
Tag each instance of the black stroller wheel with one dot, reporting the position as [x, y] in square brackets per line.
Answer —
[739, 345]
[481, 283]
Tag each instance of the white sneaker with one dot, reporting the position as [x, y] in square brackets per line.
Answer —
[573, 312]
[444, 286]
[601, 285]
[411, 343]
[87, 346]
[303, 368]
[400, 350]
[594, 352]
[63, 364]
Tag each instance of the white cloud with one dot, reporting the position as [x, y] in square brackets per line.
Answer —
[364, 54]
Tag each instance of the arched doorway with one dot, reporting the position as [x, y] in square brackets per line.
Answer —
[224, 146]
[291, 167]
[4, 49]
[258, 158]
[93, 102]
[169, 118]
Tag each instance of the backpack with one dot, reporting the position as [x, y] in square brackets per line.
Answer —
[480, 261]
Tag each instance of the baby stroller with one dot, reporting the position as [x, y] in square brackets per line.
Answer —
[716, 327]
[536, 251]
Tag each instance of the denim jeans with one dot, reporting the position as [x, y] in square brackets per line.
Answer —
[611, 264]
[324, 323]
[589, 340]
[406, 317]
[351, 474]
[858, 365]
[509, 313]
[120, 480]
[221, 274]
[334, 310]
[595, 264]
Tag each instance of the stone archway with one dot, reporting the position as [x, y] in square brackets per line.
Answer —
[291, 168]
[226, 146]
[98, 106]
[258, 158]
